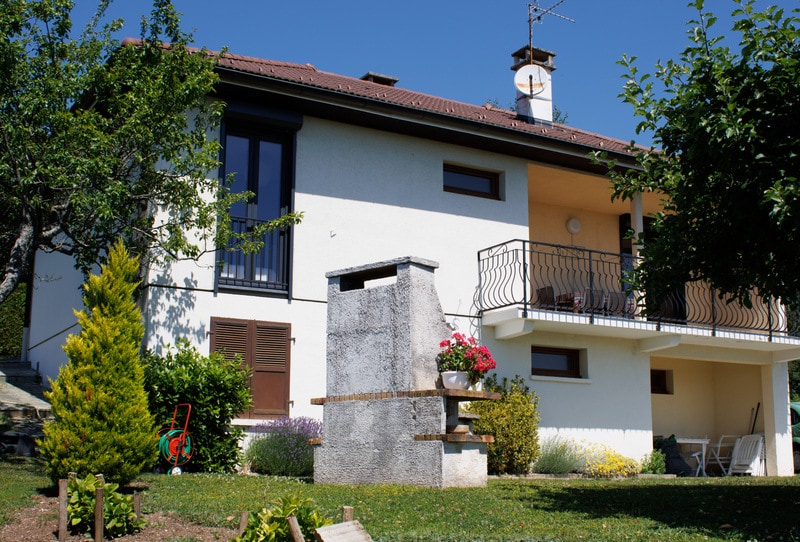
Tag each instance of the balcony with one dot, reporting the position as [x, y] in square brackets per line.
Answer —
[575, 286]
[266, 270]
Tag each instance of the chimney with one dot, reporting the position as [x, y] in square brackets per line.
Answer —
[379, 78]
[533, 68]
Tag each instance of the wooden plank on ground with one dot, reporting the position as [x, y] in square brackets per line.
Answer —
[348, 531]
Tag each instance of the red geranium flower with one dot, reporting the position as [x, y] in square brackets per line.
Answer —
[462, 353]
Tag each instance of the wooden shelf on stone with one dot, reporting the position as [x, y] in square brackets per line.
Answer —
[458, 395]
[457, 437]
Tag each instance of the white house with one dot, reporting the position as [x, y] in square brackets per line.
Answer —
[530, 250]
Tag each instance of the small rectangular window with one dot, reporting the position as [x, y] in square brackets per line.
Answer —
[472, 182]
[660, 381]
[555, 362]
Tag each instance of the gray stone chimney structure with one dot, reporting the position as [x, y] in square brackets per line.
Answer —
[386, 419]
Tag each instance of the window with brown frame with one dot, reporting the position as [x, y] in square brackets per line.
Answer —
[555, 362]
[472, 182]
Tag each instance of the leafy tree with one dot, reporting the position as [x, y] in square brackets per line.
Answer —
[97, 140]
[559, 115]
[794, 380]
[102, 422]
[727, 124]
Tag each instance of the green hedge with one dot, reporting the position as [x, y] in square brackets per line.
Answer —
[218, 390]
[12, 316]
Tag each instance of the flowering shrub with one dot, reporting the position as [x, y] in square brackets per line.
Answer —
[281, 447]
[600, 461]
[462, 353]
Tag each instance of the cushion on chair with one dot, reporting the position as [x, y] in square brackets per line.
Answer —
[674, 462]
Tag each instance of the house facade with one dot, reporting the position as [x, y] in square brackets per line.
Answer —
[530, 247]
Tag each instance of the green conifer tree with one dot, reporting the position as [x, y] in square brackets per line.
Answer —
[102, 422]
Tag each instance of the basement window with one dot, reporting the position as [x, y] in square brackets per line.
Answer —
[472, 182]
[555, 362]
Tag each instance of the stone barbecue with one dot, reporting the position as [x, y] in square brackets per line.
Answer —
[386, 418]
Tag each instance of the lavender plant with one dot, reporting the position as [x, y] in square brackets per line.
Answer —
[281, 447]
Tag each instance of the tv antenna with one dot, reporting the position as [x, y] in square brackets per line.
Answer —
[535, 14]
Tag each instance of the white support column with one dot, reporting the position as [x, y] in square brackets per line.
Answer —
[777, 428]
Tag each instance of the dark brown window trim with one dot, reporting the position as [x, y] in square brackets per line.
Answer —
[493, 178]
[572, 358]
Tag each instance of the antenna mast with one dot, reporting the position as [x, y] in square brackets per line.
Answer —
[535, 14]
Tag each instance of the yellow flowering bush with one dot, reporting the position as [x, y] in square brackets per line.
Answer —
[600, 461]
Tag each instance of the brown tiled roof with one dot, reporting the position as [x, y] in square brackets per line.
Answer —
[308, 75]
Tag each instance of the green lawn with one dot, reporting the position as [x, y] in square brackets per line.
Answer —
[740, 508]
[20, 478]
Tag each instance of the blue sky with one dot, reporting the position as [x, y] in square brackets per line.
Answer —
[459, 50]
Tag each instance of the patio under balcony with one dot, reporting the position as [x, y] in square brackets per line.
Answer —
[526, 285]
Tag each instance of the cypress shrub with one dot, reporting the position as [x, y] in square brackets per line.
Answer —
[514, 423]
[102, 423]
[218, 390]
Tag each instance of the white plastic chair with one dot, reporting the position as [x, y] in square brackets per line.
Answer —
[721, 451]
[697, 456]
[746, 455]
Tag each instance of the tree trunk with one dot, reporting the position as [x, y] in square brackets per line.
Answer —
[21, 255]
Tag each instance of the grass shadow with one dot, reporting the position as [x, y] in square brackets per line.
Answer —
[729, 508]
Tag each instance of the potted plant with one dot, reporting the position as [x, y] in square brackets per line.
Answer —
[463, 362]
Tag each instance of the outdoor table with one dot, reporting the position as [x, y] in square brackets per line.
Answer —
[703, 443]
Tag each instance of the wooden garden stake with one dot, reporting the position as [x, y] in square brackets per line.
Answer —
[294, 529]
[347, 513]
[62, 509]
[98, 513]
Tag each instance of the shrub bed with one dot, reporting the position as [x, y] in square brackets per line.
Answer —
[218, 390]
[514, 423]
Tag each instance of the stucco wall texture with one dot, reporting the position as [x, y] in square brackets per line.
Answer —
[385, 324]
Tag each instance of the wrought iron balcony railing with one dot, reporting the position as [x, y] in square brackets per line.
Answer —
[267, 269]
[542, 276]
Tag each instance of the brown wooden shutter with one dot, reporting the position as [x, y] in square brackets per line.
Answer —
[229, 337]
[264, 347]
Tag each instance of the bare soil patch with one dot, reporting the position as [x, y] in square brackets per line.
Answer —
[39, 523]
